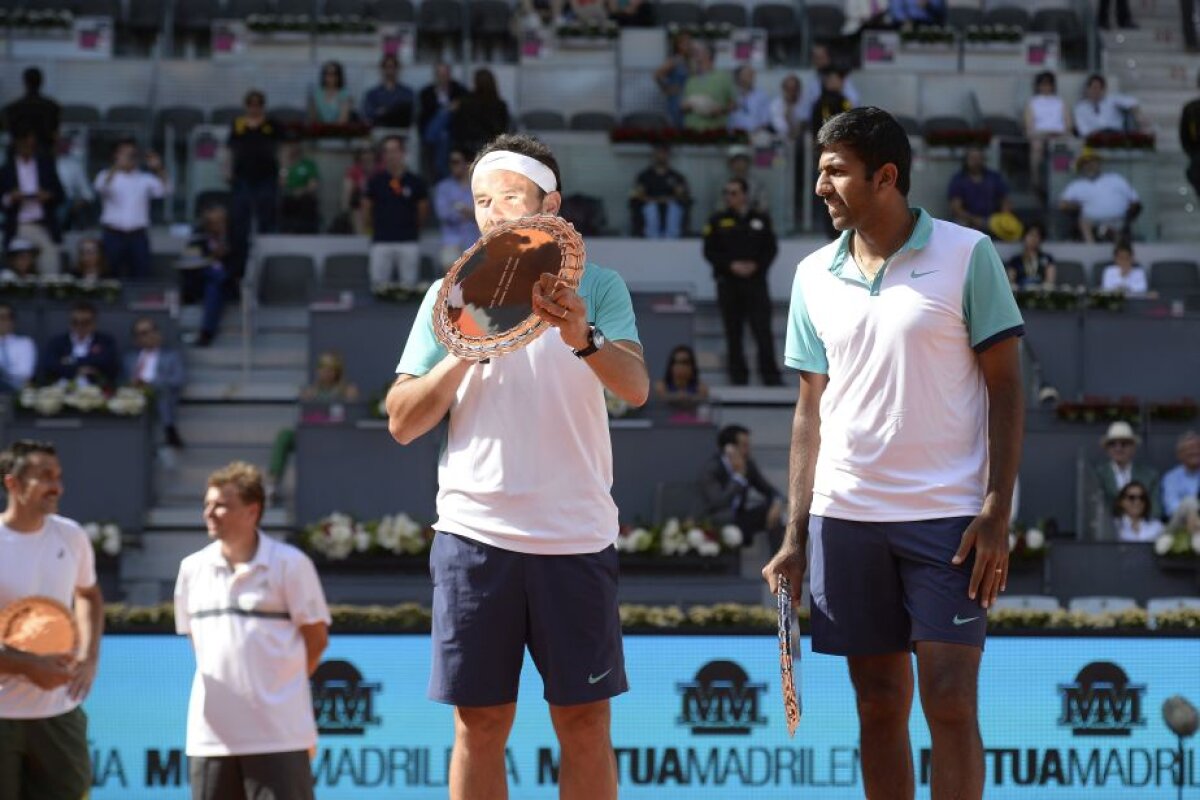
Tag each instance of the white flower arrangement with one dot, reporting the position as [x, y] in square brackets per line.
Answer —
[615, 405]
[105, 537]
[338, 536]
[1027, 542]
[1178, 543]
[127, 402]
[81, 397]
[677, 537]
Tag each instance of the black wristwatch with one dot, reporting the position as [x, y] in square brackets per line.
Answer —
[596, 340]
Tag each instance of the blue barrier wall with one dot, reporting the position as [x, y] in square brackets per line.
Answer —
[1062, 718]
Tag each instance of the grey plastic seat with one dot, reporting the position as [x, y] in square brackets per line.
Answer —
[1099, 604]
[543, 120]
[286, 280]
[1027, 602]
[592, 121]
[346, 272]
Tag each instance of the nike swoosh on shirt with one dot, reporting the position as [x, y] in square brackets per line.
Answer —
[959, 621]
[915, 274]
[594, 679]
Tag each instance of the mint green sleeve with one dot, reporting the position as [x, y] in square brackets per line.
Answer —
[989, 308]
[803, 348]
[422, 351]
[611, 307]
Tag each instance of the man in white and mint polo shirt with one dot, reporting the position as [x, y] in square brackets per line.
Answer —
[905, 447]
[524, 554]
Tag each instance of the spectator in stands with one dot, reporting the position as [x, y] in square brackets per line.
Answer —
[204, 271]
[254, 172]
[152, 366]
[330, 101]
[18, 354]
[1103, 15]
[788, 120]
[831, 98]
[125, 191]
[1124, 275]
[481, 115]
[328, 388]
[909, 13]
[1101, 111]
[1047, 117]
[1106, 203]
[709, 94]
[736, 492]
[90, 265]
[435, 109]
[1181, 483]
[976, 193]
[681, 390]
[354, 186]
[397, 203]
[20, 261]
[1188, 12]
[1033, 266]
[299, 182]
[1118, 469]
[740, 245]
[1131, 515]
[83, 353]
[455, 208]
[752, 107]
[33, 111]
[390, 104]
[672, 76]
[78, 196]
[30, 194]
[1189, 138]
[631, 13]
[661, 195]
[740, 167]
[819, 59]
[589, 11]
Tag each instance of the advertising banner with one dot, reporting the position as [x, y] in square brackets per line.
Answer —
[1061, 718]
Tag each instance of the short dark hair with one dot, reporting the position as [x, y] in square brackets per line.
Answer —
[84, 305]
[389, 58]
[393, 137]
[15, 458]
[124, 141]
[1036, 226]
[1096, 77]
[12, 312]
[32, 77]
[876, 137]
[1043, 77]
[1123, 245]
[526, 145]
[730, 433]
[254, 94]
[742, 184]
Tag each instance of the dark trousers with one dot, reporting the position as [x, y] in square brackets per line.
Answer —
[127, 252]
[45, 759]
[252, 201]
[1124, 19]
[208, 286]
[1193, 173]
[747, 301]
[1188, 9]
[266, 776]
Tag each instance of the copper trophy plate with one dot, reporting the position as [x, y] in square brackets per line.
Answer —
[39, 625]
[787, 665]
[485, 305]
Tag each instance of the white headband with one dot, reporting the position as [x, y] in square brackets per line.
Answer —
[531, 168]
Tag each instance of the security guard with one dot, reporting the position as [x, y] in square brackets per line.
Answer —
[740, 245]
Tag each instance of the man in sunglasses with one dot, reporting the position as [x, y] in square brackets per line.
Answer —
[1117, 469]
[83, 352]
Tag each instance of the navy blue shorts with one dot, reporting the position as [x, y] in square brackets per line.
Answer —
[880, 587]
[489, 604]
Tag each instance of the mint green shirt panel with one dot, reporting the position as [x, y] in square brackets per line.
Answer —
[422, 351]
[803, 348]
[989, 307]
[609, 305]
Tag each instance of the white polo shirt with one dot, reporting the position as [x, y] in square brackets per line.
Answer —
[127, 198]
[52, 562]
[250, 694]
[1107, 196]
[527, 465]
[904, 416]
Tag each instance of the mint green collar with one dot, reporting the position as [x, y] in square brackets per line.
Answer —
[917, 241]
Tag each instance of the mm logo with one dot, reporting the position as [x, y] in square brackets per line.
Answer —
[721, 700]
[343, 703]
[1102, 702]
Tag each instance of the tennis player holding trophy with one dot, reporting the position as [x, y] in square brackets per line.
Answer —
[48, 652]
[517, 345]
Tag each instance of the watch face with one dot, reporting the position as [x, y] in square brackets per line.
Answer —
[598, 339]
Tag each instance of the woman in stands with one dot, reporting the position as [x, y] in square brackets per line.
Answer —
[672, 76]
[1033, 266]
[330, 102]
[90, 265]
[681, 391]
[1131, 515]
[481, 115]
[1046, 117]
[354, 185]
[1125, 275]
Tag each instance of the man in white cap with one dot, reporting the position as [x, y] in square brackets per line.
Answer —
[524, 555]
[1117, 468]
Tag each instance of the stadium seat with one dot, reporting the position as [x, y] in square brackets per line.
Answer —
[212, 197]
[286, 280]
[491, 26]
[440, 22]
[181, 119]
[1099, 604]
[346, 272]
[348, 8]
[1065, 22]
[289, 114]
[728, 13]
[960, 18]
[675, 499]
[395, 10]
[1175, 277]
[1014, 16]
[1098, 272]
[910, 125]
[1000, 125]
[645, 120]
[541, 120]
[825, 22]
[1070, 273]
[162, 267]
[128, 115]
[196, 16]
[945, 122]
[782, 26]
[225, 115]
[592, 121]
[145, 18]
[680, 12]
[1027, 602]
[80, 114]
[296, 8]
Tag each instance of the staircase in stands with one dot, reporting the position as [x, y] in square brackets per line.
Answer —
[1150, 63]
